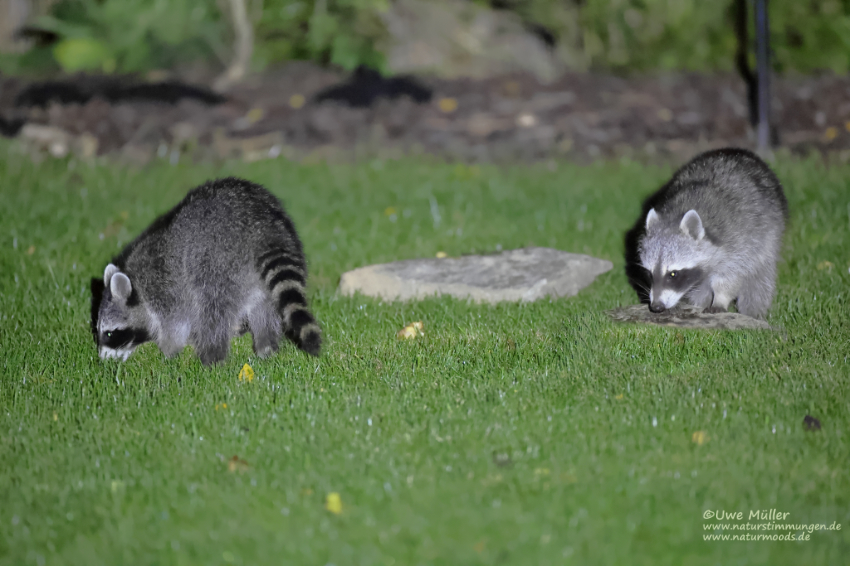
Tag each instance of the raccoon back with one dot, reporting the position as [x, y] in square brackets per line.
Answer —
[228, 244]
[735, 193]
[732, 190]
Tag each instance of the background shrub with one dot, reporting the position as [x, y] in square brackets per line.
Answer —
[642, 35]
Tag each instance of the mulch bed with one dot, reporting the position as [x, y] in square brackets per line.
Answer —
[581, 116]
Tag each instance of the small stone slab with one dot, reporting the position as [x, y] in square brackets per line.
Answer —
[688, 316]
[526, 274]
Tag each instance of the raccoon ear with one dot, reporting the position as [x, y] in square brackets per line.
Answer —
[108, 273]
[692, 225]
[120, 286]
[651, 218]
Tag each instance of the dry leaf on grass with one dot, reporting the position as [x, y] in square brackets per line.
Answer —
[447, 105]
[333, 503]
[246, 374]
[412, 330]
[237, 464]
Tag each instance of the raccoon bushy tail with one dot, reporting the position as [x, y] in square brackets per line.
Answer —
[285, 275]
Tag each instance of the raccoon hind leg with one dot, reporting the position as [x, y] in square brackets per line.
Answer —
[756, 294]
[264, 323]
[212, 330]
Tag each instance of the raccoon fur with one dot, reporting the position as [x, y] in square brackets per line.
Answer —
[710, 236]
[226, 260]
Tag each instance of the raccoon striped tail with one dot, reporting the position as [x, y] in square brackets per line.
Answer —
[285, 275]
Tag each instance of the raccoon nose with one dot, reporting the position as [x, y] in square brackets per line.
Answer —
[656, 307]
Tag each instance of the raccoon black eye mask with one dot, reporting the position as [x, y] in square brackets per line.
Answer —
[225, 259]
[710, 236]
[118, 339]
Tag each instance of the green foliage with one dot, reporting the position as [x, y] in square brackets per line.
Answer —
[511, 434]
[342, 32]
[689, 34]
[133, 35]
[665, 34]
[83, 54]
[811, 35]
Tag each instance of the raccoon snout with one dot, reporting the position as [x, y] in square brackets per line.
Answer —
[657, 307]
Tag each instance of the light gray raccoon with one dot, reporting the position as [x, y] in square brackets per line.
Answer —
[226, 260]
[711, 235]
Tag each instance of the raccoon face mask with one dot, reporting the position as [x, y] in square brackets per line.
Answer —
[120, 325]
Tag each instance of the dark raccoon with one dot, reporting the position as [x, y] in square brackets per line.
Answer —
[224, 261]
[710, 236]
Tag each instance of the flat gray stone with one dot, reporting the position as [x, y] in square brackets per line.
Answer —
[527, 274]
[688, 316]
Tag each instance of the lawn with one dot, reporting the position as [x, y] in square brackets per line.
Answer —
[514, 434]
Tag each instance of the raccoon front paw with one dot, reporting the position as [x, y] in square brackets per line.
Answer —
[213, 355]
[264, 351]
[715, 310]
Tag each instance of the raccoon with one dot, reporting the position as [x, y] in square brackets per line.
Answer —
[711, 235]
[225, 261]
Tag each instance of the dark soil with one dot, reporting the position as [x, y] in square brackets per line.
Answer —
[582, 116]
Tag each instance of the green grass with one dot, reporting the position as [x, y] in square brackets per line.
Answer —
[515, 434]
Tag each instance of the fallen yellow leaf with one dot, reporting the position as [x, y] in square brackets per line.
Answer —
[333, 503]
[847, 125]
[407, 332]
[619, 397]
[30, 250]
[55, 416]
[699, 438]
[237, 464]
[246, 374]
[412, 330]
[254, 115]
[447, 104]
[390, 210]
[826, 265]
[831, 133]
[297, 101]
[479, 546]
[441, 255]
